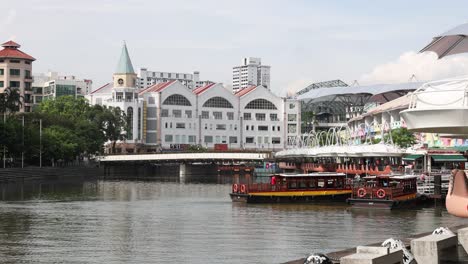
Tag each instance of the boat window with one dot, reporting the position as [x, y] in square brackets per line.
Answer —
[292, 185]
[370, 184]
[330, 183]
[312, 183]
[339, 183]
[302, 185]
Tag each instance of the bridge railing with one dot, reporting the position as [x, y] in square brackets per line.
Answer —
[187, 156]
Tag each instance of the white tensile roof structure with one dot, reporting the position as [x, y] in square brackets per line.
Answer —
[365, 150]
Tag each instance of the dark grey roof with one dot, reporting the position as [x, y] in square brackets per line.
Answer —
[324, 94]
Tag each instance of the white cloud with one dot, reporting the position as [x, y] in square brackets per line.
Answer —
[425, 66]
[7, 20]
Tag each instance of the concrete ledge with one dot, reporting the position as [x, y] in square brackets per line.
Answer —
[463, 238]
[372, 250]
[373, 255]
[428, 249]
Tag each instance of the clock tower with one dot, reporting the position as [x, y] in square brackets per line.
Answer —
[125, 76]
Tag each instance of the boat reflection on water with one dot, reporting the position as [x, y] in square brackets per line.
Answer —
[295, 207]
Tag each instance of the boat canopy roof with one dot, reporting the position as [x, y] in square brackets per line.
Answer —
[317, 174]
[365, 150]
[391, 177]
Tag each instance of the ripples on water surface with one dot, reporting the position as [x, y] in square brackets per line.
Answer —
[162, 222]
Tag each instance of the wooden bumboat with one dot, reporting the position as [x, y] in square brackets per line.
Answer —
[325, 186]
[385, 192]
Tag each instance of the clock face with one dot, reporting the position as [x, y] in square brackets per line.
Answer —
[120, 81]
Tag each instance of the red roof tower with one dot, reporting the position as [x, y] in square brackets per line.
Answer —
[11, 51]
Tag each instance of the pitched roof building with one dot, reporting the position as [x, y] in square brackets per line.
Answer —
[15, 72]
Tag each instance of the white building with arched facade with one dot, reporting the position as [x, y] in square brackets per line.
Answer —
[169, 115]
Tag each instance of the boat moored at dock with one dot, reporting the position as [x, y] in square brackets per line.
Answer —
[327, 186]
[384, 191]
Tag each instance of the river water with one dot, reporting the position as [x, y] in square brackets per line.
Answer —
[171, 222]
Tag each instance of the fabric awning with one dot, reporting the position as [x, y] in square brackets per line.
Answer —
[461, 148]
[412, 157]
[453, 158]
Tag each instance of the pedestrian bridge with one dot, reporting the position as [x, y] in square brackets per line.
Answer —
[186, 157]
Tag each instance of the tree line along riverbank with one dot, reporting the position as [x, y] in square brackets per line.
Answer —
[62, 130]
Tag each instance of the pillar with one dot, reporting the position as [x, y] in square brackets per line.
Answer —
[182, 172]
[427, 249]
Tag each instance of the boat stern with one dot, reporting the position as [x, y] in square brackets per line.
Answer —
[239, 197]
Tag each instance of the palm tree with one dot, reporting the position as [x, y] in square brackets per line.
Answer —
[11, 100]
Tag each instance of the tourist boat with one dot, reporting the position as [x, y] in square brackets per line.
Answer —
[457, 196]
[384, 191]
[326, 186]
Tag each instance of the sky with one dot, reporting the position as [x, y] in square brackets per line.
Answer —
[303, 41]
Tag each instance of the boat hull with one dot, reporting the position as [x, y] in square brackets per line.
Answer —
[385, 204]
[290, 197]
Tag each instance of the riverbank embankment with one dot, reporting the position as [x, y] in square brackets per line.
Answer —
[9, 175]
[455, 255]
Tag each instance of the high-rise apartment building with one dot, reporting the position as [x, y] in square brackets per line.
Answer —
[15, 72]
[190, 80]
[250, 72]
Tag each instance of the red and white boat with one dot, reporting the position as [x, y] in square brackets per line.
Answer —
[385, 192]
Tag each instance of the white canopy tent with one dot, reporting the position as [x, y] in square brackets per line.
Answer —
[366, 150]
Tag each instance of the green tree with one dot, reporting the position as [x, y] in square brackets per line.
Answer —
[79, 121]
[60, 143]
[66, 107]
[403, 137]
[113, 122]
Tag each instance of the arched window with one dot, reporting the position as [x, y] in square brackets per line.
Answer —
[218, 102]
[130, 123]
[260, 104]
[177, 99]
